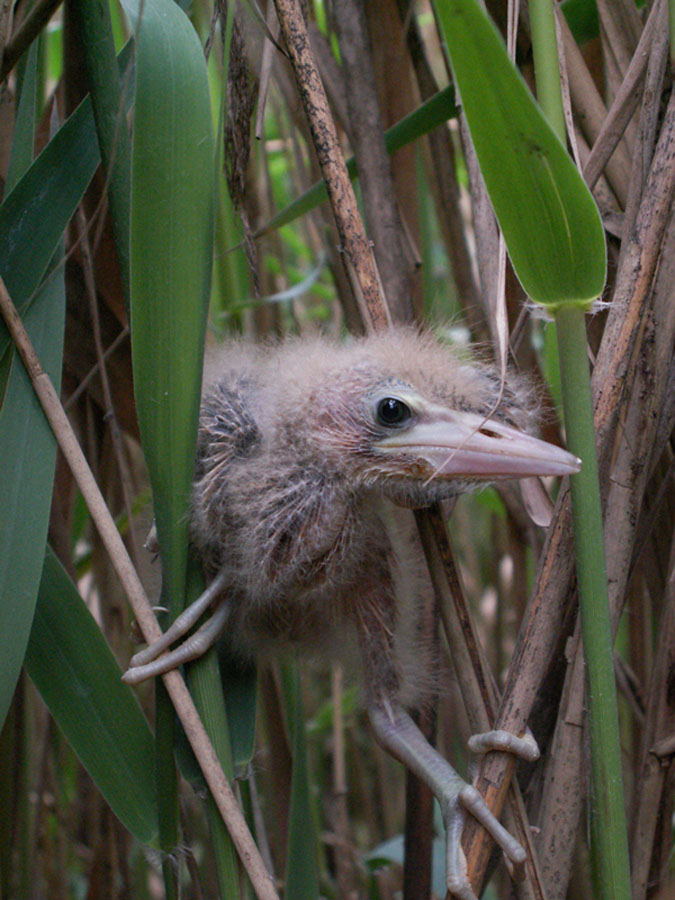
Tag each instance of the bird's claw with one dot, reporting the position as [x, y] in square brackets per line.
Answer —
[150, 662]
[456, 879]
[469, 800]
[396, 731]
[456, 882]
[525, 747]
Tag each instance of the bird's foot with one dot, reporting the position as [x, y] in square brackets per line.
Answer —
[396, 731]
[149, 662]
[468, 799]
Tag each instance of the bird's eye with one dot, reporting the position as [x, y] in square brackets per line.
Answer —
[392, 412]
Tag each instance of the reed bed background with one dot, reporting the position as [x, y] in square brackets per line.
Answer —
[188, 186]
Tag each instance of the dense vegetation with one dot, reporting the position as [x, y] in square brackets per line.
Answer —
[162, 187]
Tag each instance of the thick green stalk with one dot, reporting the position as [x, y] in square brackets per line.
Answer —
[608, 813]
[609, 841]
[203, 675]
[546, 64]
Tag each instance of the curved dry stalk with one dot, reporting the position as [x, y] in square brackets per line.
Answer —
[592, 113]
[626, 99]
[173, 681]
[375, 175]
[358, 254]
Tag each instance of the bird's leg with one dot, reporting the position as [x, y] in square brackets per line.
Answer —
[398, 734]
[146, 663]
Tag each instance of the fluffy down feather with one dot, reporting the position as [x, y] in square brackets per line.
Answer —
[294, 499]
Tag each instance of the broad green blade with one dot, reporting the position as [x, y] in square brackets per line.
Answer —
[171, 250]
[34, 215]
[21, 156]
[74, 669]
[32, 220]
[172, 177]
[550, 222]
[27, 445]
[24, 126]
[28, 453]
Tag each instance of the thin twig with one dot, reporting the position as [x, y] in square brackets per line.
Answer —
[127, 574]
[24, 36]
[110, 417]
[82, 386]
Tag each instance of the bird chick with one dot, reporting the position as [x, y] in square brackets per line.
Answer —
[304, 449]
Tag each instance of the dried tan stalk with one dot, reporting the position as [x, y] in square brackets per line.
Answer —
[345, 870]
[626, 99]
[591, 113]
[649, 795]
[375, 177]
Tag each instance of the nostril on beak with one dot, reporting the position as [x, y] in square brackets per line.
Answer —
[488, 433]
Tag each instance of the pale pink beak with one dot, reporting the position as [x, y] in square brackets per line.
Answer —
[462, 444]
